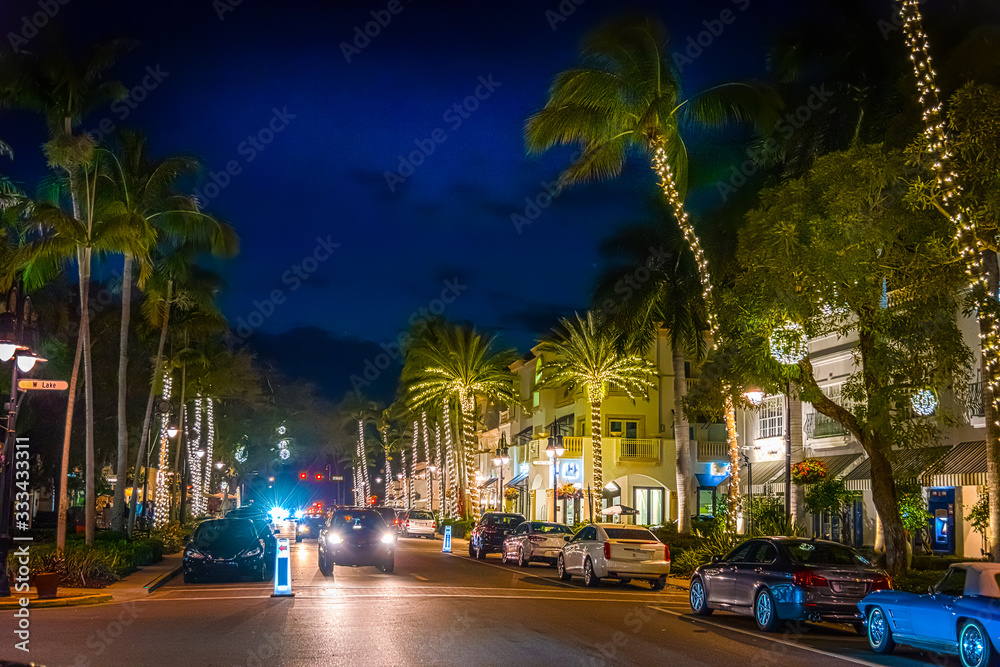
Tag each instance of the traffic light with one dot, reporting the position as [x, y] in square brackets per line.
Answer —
[319, 477]
[303, 475]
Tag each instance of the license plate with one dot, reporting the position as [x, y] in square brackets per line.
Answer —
[848, 588]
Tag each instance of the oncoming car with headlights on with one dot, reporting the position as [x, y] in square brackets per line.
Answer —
[356, 537]
[308, 527]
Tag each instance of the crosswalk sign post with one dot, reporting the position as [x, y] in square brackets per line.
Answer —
[446, 542]
[282, 571]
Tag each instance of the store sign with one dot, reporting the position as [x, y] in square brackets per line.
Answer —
[571, 471]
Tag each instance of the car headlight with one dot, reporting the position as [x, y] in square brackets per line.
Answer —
[194, 553]
[303, 529]
[253, 552]
[387, 538]
[334, 538]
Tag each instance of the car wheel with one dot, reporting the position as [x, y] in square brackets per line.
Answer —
[590, 578]
[298, 538]
[521, 560]
[406, 533]
[658, 584]
[503, 556]
[879, 633]
[974, 645]
[472, 552]
[189, 578]
[388, 565]
[698, 599]
[624, 580]
[764, 612]
[481, 552]
[561, 568]
[325, 566]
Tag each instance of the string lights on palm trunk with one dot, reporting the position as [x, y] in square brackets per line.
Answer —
[162, 511]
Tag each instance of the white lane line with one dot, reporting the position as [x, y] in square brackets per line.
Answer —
[390, 596]
[417, 576]
[766, 638]
[507, 569]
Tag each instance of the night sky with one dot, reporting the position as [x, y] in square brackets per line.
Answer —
[300, 141]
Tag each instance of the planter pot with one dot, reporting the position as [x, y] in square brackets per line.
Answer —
[47, 585]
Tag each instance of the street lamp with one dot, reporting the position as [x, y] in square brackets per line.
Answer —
[756, 397]
[554, 450]
[501, 459]
[12, 339]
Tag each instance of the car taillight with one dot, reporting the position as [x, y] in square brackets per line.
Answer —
[607, 550]
[535, 538]
[434, 524]
[407, 523]
[881, 584]
[666, 552]
[808, 578]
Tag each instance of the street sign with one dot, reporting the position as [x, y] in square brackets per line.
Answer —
[282, 571]
[46, 385]
[336, 478]
[446, 543]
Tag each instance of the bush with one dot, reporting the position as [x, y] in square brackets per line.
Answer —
[94, 566]
[460, 528]
[172, 536]
[939, 562]
[917, 581]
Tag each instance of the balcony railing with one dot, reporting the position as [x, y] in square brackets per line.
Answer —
[713, 451]
[504, 416]
[573, 446]
[820, 426]
[637, 449]
[974, 406]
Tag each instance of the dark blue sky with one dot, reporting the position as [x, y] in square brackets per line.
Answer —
[308, 138]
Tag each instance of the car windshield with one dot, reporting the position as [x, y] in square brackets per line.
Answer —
[421, 515]
[503, 520]
[225, 530]
[630, 534]
[549, 528]
[807, 552]
[358, 520]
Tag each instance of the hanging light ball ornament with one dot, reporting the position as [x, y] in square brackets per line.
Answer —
[241, 454]
[284, 454]
[282, 430]
[789, 344]
[924, 402]
[283, 444]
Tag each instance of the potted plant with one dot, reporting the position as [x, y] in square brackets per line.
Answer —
[809, 471]
[568, 491]
[47, 585]
[509, 496]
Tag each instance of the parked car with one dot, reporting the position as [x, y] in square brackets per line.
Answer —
[308, 527]
[617, 551]
[356, 537]
[417, 523]
[488, 535]
[225, 548]
[535, 541]
[777, 579]
[265, 529]
[957, 617]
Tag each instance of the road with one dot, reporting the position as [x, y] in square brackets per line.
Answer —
[435, 609]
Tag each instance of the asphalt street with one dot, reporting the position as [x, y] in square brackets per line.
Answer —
[434, 609]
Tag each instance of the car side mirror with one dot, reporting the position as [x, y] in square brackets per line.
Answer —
[716, 559]
[567, 538]
[187, 539]
[930, 590]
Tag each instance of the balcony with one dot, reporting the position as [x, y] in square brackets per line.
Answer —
[637, 449]
[713, 451]
[573, 446]
[821, 426]
[974, 403]
[504, 416]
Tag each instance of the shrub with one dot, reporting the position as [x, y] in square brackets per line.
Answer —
[92, 566]
[459, 528]
[938, 562]
[917, 581]
[172, 536]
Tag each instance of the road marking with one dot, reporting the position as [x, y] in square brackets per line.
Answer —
[389, 595]
[507, 569]
[766, 638]
[417, 576]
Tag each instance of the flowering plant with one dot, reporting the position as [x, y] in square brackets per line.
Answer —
[568, 491]
[809, 471]
[511, 494]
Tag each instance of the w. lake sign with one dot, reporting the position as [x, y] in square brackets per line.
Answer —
[43, 385]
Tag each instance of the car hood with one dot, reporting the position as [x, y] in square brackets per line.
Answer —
[223, 550]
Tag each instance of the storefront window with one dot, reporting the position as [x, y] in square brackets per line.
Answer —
[649, 503]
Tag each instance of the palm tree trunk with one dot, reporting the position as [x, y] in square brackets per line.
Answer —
[733, 508]
[798, 501]
[181, 442]
[147, 419]
[596, 448]
[118, 522]
[90, 512]
[682, 443]
[467, 406]
[64, 464]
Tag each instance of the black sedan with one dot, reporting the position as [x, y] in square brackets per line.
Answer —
[262, 523]
[490, 532]
[356, 537]
[308, 527]
[775, 579]
[225, 548]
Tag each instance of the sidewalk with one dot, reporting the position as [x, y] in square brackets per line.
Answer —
[137, 585]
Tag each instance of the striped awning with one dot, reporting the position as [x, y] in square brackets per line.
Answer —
[907, 466]
[517, 481]
[964, 465]
[764, 474]
[490, 482]
[835, 467]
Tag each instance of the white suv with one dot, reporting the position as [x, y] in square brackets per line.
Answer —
[417, 523]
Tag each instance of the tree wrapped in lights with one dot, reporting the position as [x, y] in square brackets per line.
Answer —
[209, 451]
[453, 509]
[194, 462]
[162, 511]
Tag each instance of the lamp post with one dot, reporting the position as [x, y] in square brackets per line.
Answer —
[554, 450]
[12, 348]
[501, 459]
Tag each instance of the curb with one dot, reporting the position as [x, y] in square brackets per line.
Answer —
[73, 601]
[163, 578]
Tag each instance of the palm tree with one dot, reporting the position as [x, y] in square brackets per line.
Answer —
[624, 98]
[445, 360]
[670, 299]
[584, 352]
[356, 413]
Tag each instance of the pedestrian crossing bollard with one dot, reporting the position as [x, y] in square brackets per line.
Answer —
[446, 542]
[282, 572]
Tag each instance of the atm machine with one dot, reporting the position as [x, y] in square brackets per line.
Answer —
[941, 505]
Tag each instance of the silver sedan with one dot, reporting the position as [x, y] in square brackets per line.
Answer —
[535, 541]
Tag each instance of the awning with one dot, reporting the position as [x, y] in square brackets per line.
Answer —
[764, 474]
[835, 467]
[517, 481]
[490, 482]
[907, 466]
[964, 465]
[709, 481]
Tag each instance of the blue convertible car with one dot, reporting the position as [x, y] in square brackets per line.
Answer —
[959, 616]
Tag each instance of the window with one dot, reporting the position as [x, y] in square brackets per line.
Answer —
[808, 552]
[953, 583]
[588, 533]
[739, 554]
[766, 553]
[706, 501]
[548, 528]
[623, 428]
[771, 417]
[649, 504]
[630, 534]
